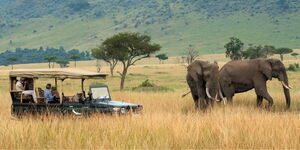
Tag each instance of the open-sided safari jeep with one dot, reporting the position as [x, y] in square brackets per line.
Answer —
[97, 99]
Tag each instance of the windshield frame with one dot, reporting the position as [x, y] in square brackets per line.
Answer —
[101, 86]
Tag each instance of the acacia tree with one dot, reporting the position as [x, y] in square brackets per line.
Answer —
[258, 52]
[128, 48]
[269, 50]
[295, 55]
[282, 51]
[12, 60]
[101, 53]
[74, 58]
[50, 59]
[234, 48]
[190, 55]
[162, 58]
[62, 63]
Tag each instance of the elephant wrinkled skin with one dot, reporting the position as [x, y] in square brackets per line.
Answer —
[240, 76]
[202, 78]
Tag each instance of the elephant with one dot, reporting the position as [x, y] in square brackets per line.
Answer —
[202, 79]
[243, 75]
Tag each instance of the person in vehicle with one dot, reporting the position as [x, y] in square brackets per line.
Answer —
[55, 94]
[21, 86]
[78, 97]
[48, 94]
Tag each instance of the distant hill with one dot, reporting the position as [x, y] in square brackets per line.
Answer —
[175, 24]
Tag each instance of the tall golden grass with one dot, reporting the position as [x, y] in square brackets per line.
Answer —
[167, 121]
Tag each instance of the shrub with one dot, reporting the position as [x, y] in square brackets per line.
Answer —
[291, 67]
[147, 83]
[147, 86]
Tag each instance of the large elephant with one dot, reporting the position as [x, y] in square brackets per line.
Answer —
[241, 76]
[202, 78]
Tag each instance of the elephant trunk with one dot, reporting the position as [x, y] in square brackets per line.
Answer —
[286, 87]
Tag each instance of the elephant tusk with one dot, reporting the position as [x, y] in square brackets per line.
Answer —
[76, 113]
[184, 95]
[207, 93]
[285, 86]
[221, 94]
[224, 101]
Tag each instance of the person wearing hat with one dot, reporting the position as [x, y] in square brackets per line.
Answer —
[78, 97]
[20, 86]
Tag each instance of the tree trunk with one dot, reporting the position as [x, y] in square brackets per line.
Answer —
[75, 63]
[123, 77]
[12, 67]
[49, 65]
[111, 67]
[281, 57]
[52, 64]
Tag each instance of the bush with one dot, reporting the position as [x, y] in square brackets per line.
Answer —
[147, 83]
[291, 67]
[151, 87]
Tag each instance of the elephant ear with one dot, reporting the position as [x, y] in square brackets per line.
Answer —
[206, 69]
[195, 70]
[266, 68]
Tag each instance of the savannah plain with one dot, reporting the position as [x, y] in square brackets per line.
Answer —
[167, 121]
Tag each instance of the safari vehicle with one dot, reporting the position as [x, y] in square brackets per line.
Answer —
[98, 98]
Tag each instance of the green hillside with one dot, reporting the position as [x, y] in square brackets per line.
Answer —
[175, 24]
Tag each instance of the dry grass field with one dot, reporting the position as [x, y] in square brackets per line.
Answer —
[167, 121]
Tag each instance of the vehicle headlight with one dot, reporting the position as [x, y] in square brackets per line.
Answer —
[116, 109]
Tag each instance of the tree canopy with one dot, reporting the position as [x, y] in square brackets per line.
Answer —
[282, 51]
[75, 58]
[101, 53]
[162, 57]
[128, 48]
[62, 63]
[50, 59]
[295, 55]
[258, 52]
[234, 48]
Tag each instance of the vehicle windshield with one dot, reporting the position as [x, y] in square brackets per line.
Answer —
[100, 93]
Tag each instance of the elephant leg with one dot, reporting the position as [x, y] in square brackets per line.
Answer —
[202, 99]
[228, 90]
[209, 102]
[261, 90]
[212, 103]
[229, 93]
[201, 95]
[259, 100]
[229, 100]
[196, 101]
[203, 103]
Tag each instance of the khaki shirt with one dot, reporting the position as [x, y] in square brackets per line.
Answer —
[19, 86]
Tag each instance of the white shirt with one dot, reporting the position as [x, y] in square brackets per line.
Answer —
[19, 86]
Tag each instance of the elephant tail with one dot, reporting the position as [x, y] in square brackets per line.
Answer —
[184, 95]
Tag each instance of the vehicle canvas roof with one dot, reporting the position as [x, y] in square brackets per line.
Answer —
[56, 73]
